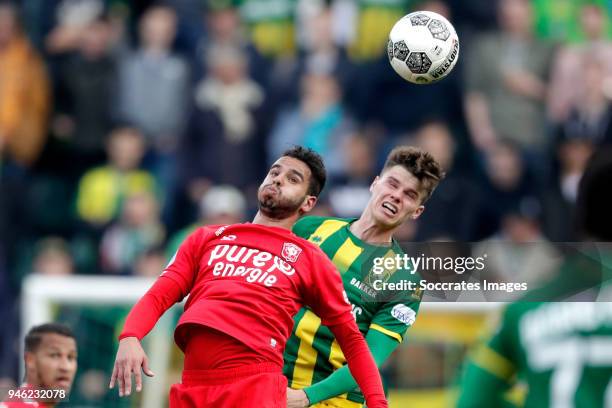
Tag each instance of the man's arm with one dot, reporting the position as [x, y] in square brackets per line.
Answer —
[141, 319]
[360, 362]
[341, 381]
[324, 293]
[490, 371]
[482, 388]
[174, 284]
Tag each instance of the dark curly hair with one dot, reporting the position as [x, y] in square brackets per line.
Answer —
[420, 164]
[315, 163]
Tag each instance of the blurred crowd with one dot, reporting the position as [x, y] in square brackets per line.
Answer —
[124, 124]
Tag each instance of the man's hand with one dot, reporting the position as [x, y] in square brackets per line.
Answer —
[296, 398]
[130, 358]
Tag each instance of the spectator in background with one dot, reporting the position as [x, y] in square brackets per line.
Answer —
[506, 184]
[349, 192]
[103, 189]
[223, 28]
[24, 93]
[73, 19]
[220, 205]
[84, 96]
[590, 114]
[138, 230]
[319, 121]
[519, 252]
[318, 52]
[53, 258]
[574, 150]
[573, 60]
[506, 80]
[223, 142]
[150, 262]
[154, 89]
[457, 192]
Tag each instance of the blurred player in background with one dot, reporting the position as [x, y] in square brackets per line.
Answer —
[562, 350]
[314, 364]
[245, 283]
[50, 365]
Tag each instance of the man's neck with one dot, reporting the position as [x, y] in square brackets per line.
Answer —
[368, 231]
[286, 223]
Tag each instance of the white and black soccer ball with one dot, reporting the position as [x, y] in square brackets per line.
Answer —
[423, 47]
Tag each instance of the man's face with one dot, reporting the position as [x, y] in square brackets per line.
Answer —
[54, 363]
[396, 196]
[284, 191]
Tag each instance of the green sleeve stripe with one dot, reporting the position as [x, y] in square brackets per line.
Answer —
[494, 363]
[388, 332]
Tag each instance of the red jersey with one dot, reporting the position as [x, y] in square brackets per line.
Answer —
[249, 280]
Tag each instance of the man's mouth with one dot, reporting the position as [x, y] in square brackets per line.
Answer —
[272, 188]
[389, 207]
[63, 382]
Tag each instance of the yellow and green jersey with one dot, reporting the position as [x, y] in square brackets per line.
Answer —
[312, 353]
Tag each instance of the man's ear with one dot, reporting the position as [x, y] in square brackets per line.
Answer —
[417, 213]
[30, 362]
[374, 182]
[308, 204]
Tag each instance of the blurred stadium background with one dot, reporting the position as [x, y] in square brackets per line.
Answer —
[123, 124]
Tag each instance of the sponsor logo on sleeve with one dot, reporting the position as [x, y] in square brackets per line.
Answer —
[291, 252]
[404, 314]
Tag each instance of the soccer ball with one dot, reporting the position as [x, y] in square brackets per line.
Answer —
[423, 47]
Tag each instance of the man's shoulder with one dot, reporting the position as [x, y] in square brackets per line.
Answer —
[318, 220]
[305, 226]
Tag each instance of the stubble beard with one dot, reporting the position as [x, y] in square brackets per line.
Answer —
[277, 207]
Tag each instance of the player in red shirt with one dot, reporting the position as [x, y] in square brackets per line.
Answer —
[245, 282]
[50, 363]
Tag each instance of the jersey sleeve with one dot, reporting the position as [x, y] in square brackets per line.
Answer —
[395, 316]
[323, 290]
[183, 266]
[306, 226]
[174, 284]
[490, 369]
